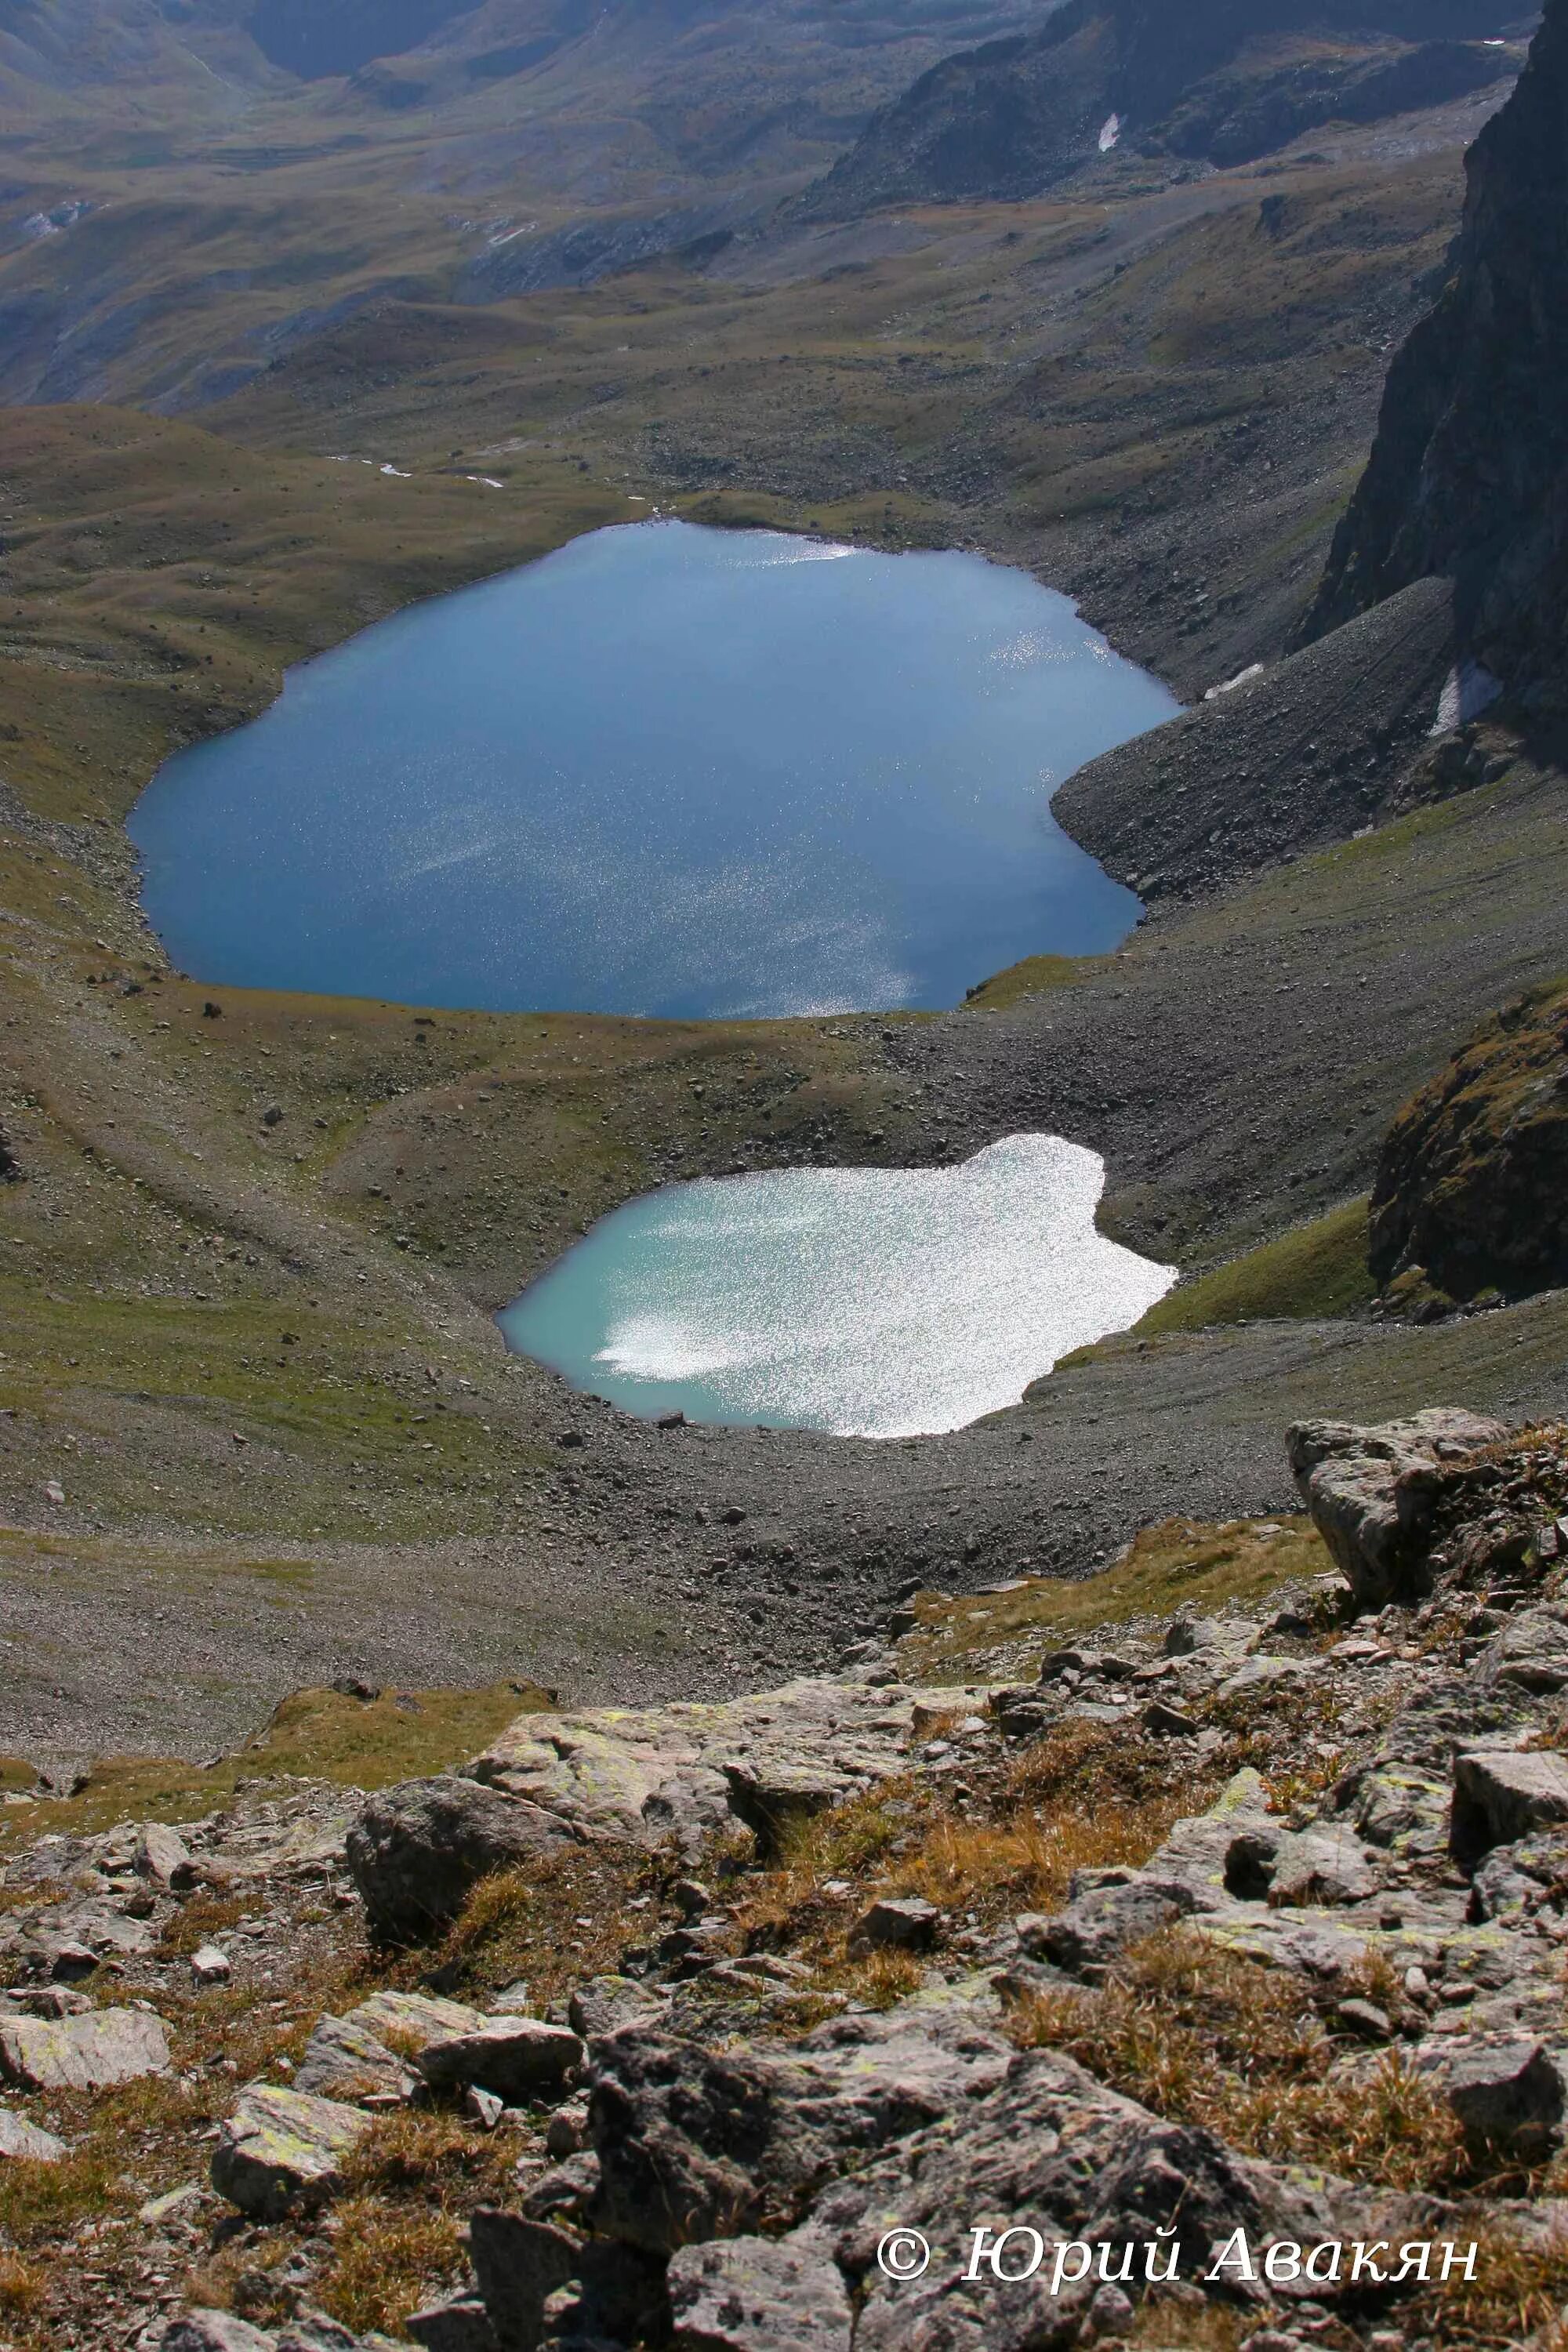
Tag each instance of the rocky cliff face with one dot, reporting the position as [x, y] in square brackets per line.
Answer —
[1469, 472]
[1472, 1193]
[1221, 81]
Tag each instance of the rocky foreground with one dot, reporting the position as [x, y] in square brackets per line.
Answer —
[1218, 1958]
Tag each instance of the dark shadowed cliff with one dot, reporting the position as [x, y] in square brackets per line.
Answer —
[1469, 472]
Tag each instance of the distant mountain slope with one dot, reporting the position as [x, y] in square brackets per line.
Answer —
[1220, 80]
[1469, 472]
[316, 38]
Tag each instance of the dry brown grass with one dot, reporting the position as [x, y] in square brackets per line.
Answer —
[1519, 2294]
[1206, 2037]
[399, 2228]
[389, 2261]
[21, 2287]
[199, 1921]
[1163, 2325]
[1084, 1797]
[552, 1922]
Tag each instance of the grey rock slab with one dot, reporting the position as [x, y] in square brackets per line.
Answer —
[1192, 1863]
[1370, 1490]
[214, 2331]
[1502, 1795]
[1261, 1673]
[1314, 1946]
[162, 1855]
[648, 1778]
[96, 2051]
[694, 2142]
[758, 2295]
[905, 1924]
[685, 1772]
[459, 2324]
[1079, 2161]
[605, 2004]
[1508, 2094]
[19, 2138]
[282, 2151]
[1398, 1807]
[522, 2059]
[1101, 1923]
[1321, 1866]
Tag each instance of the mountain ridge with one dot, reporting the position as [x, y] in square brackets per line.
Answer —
[1228, 81]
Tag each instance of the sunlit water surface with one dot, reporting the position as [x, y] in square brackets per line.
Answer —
[665, 771]
[868, 1303]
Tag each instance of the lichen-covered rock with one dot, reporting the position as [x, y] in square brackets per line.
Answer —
[1371, 1493]
[650, 1778]
[347, 2056]
[92, 2053]
[758, 2295]
[21, 2140]
[282, 2152]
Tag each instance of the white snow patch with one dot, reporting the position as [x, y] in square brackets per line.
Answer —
[1242, 677]
[1110, 134]
[1468, 690]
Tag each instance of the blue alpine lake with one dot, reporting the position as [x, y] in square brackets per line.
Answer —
[868, 1302]
[665, 771]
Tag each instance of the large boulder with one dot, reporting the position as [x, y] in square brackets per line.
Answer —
[1371, 1493]
[417, 1851]
[696, 2142]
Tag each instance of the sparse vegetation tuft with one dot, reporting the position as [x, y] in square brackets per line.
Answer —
[1211, 2037]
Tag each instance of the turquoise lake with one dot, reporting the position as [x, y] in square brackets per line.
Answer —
[865, 1302]
[666, 771]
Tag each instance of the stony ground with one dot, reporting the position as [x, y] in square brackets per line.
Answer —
[1239, 1914]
